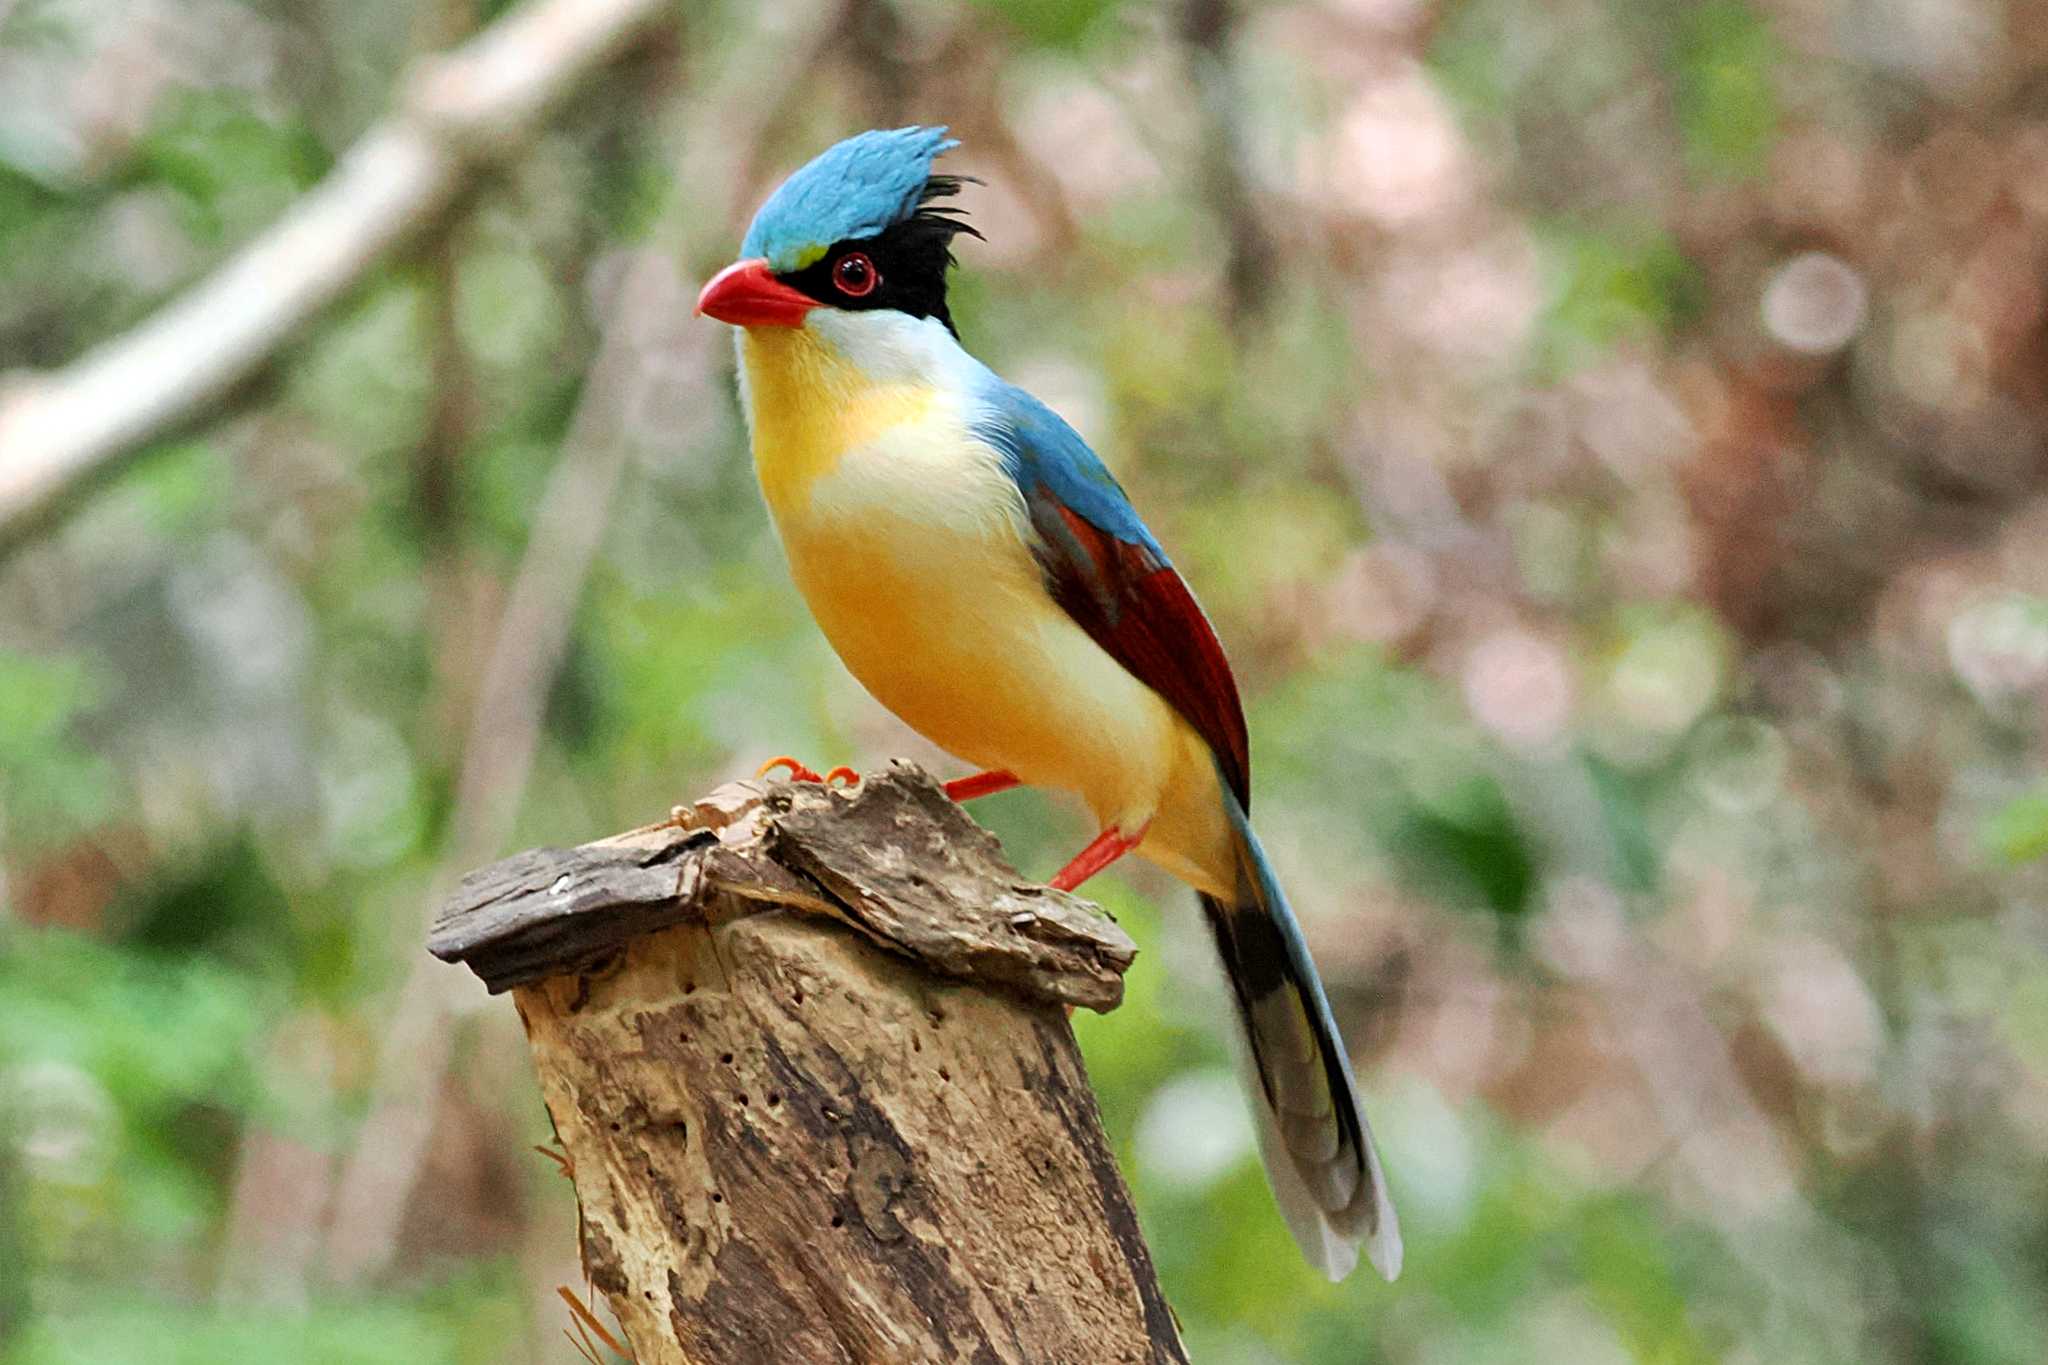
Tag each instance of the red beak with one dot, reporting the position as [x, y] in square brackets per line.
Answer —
[745, 294]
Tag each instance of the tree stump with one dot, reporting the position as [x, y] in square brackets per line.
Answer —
[807, 1050]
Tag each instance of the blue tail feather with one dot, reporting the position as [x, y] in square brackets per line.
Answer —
[1312, 1130]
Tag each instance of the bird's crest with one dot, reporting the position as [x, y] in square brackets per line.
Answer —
[853, 189]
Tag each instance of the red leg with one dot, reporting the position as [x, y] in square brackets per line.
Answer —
[1103, 850]
[979, 785]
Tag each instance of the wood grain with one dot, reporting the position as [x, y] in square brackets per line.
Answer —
[808, 1052]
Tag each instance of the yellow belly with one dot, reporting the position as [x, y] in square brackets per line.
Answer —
[970, 652]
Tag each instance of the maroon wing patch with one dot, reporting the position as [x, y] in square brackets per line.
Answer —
[1133, 604]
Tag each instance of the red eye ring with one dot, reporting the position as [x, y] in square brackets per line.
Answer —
[854, 275]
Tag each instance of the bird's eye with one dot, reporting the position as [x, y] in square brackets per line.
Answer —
[855, 274]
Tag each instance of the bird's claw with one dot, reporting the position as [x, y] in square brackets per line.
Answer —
[841, 776]
[797, 771]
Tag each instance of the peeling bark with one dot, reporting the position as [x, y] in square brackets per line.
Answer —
[809, 1053]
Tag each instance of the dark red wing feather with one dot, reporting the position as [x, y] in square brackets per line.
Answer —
[1131, 602]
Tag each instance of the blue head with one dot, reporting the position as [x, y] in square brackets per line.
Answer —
[855, 229]
[853, 189]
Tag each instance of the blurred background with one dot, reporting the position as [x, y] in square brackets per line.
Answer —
[1611, 437]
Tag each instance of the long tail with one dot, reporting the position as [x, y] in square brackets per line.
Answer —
[1312, 1131]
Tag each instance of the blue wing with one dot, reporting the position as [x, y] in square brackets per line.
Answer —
[1105, 569]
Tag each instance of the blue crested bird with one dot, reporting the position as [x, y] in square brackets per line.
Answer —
[984, 577]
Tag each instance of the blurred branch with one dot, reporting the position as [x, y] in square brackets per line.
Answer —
[439, 452]
[1208, 29]
[971, 70]
[16, 1307]
[383, 1168]
[875, 32]
[808, 55]
[504, 732]
[457, 111]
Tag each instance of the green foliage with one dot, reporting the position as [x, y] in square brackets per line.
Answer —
[1625, 800]
[2018, 831]
[24, 207]
[111, 1055]
[1465, 846]
[368, 380]
[53, 785]
[1609, 287]
[232, 170]
[460, 1322]
[1058, 24]
[1727, 60]
[653, 662]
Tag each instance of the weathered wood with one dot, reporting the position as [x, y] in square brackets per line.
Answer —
[808, 1052]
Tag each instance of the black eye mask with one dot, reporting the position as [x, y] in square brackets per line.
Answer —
[907, 263]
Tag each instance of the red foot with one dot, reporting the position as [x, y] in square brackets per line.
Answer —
[979, 785]
[797, 771]
[839, 776]
[1103, 850]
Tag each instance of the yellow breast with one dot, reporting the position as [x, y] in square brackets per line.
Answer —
[809, 405]
[898, 537]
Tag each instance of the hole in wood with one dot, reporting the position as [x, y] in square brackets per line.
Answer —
[725, 1058]
[717, 1198]
[743, 1099]
[773, 1099]
[838, 1220]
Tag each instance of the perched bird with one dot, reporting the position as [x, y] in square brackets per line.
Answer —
[980, 572]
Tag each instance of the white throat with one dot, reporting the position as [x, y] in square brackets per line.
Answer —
[889, 347]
